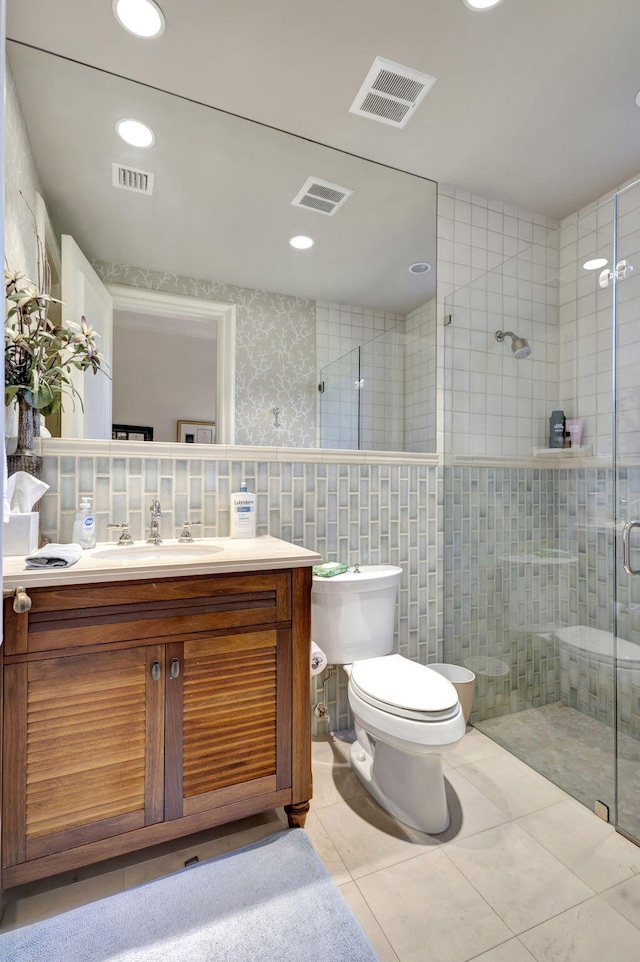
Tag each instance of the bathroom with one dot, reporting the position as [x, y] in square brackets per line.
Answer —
[501, 548]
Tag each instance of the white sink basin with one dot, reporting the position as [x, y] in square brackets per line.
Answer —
[154, 554]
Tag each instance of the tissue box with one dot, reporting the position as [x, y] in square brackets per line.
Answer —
[20, 534]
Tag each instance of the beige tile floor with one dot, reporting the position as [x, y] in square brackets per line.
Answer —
[524, 872]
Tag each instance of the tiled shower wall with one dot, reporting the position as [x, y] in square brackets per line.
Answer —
[586, 591]
[526, 552]
[367, 512]
[499, 590]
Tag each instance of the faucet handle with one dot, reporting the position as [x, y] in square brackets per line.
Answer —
[125, 538]
[186, 537]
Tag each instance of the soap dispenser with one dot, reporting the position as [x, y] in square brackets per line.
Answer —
[243, 513]
[84, 528]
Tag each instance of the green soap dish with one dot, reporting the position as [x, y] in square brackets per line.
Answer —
[329, 569]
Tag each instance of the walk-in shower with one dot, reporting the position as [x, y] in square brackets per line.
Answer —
[539, 598]
[519, 345]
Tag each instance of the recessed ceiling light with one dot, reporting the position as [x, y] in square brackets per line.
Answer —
[144, 18]
[422, 267]
[638, 98]
[301, 242]
[136, 133]
[595, 263]
[481, 4]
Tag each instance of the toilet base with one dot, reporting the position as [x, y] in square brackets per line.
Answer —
[410, 787]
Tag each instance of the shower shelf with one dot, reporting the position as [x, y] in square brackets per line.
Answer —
[551, 557]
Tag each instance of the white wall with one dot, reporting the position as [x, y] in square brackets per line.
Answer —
[20, 177]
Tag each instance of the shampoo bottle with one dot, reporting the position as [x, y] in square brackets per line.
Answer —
[557, 429]
[243, 513]
[84, 529]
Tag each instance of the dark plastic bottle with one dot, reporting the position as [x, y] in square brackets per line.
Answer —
[557, 429]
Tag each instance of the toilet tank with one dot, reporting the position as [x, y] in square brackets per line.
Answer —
[353, 614]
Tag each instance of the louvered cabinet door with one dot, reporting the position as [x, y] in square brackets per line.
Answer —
[83, 750]
[228, 731]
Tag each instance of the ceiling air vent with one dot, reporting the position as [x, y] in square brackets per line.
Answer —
[391, 93]
[320, 195]
[140, 181]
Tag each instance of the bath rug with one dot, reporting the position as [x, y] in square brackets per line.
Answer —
[272, 901]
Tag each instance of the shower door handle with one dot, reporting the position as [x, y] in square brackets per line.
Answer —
[626, 547]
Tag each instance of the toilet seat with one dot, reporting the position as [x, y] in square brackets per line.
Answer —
[404, 688]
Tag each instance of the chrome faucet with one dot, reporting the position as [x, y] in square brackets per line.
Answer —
[154, 531]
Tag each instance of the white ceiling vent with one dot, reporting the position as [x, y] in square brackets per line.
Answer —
[321, 196]
[140, 181]
[391, 93]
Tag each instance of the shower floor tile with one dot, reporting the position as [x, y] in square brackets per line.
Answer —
[576, 752]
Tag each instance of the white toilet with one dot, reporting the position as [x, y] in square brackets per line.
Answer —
[405, 714]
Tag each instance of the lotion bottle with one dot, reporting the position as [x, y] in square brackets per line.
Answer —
[84, 528]
[243, 513]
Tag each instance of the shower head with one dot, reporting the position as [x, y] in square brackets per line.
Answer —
[519, 345]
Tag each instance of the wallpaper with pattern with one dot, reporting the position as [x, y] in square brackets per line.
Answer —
[275, 353]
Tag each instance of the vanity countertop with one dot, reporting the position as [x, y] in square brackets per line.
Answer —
[108, 562]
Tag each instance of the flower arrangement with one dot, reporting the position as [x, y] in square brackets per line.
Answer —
[39, 355]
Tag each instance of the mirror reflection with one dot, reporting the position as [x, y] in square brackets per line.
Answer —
[179, 252]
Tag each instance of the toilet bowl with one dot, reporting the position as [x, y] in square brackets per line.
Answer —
[405, 714]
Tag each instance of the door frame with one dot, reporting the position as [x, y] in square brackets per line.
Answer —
[143, 301]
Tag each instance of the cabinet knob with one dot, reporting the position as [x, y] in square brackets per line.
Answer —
[174, 668]
[155, 671]
[21, 601]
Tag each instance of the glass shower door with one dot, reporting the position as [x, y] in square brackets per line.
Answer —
[340, 414]
[626, 574]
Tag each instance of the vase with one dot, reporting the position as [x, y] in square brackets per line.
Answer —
[24, 457]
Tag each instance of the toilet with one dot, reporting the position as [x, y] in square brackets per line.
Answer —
[405, 714]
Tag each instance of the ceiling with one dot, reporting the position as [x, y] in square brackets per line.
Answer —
[534, 102]
[222, 197]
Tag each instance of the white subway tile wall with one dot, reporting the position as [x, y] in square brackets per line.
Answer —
[420, 379]
[486, 404]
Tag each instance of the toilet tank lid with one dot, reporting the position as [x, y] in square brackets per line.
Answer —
[368, 578]
[395, 680]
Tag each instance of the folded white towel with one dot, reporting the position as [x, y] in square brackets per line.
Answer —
[55, 556]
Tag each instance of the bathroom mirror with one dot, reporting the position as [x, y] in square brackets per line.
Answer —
[206, 213]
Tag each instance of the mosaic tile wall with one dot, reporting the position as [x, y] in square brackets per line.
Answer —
[585, 501]
[499, 589]
[371, 513]
[526, 553]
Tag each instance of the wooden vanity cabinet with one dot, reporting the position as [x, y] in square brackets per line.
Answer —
[136, 712]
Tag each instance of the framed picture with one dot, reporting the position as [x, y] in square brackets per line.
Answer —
[197, 432]
[131, 432]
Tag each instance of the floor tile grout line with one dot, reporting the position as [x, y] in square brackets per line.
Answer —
[579, 902]
[374, 916]
[571, 908]
[506, 941]
[551, 851]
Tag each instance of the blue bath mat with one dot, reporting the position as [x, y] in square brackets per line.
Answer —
[271, 901]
